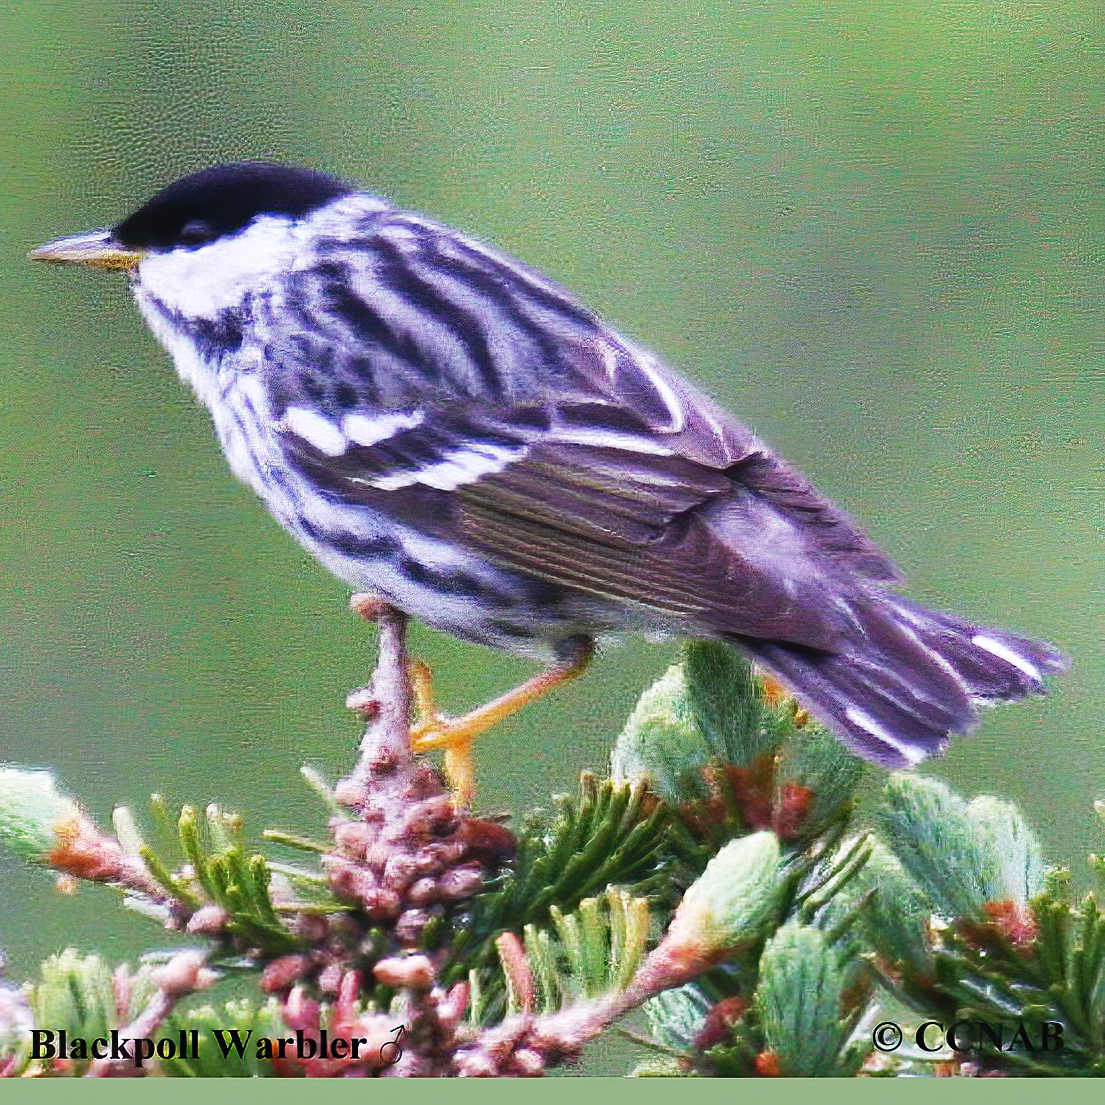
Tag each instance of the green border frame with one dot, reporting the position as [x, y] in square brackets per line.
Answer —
[608, 1091]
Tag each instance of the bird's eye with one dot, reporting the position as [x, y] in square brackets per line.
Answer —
[196, 233]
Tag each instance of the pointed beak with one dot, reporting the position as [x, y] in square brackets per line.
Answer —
[96, 249]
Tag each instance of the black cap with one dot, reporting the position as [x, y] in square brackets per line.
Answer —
[218, 201]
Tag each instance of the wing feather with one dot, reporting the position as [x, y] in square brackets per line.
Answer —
[561, 449]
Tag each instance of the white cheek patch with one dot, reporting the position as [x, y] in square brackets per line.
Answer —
[364, 430]
[458, 467]
[199, 283]
[316, 430]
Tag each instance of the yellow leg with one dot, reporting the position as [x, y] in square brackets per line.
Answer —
[455, 735]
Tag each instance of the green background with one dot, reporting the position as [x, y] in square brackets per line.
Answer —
[873, 230]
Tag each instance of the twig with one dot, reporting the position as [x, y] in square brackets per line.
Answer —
[387, 739]
[184, 974]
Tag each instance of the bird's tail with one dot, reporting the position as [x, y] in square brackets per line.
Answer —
[907, 677]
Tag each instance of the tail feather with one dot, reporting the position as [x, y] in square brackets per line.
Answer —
[996, 666]
[907, 677]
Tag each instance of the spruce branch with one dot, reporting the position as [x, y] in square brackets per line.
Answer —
[608, 835]
[719, 880]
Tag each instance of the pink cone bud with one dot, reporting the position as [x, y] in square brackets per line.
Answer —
[411, 972]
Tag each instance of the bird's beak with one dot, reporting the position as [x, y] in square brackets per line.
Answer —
[97, 249]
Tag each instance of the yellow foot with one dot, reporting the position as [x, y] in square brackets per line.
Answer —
[455, 735]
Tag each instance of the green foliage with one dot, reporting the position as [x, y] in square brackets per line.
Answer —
[893, 913]
[603, 943]
[590, 953]
[707, 709]
[800, 1000]
[728, 704]
[953, 913]
[76, 993]
[219, 872]
[725, 850]
[734, 900]
[608, 835]
[816, 761]
[663, 742]
[677, 1017]
[248, 1018]
[32, 811]
[979, 932]
[83, 996]
[1019, 870]
[797, 973]
[1035, 965]
[732, 754]
[962, 854]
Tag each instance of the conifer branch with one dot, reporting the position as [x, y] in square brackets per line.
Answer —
[718, 880]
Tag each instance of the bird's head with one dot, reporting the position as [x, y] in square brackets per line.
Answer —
[201, 241]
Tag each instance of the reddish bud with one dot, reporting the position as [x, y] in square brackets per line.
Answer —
[347, 879]
[513, 958]
[476, 1065]
[399, 871]
[460, 883]
[717, 1028]
[382, 905]
[527, 1063]
[792, 807]
[488, 840]
[412, 972]
[753, 788]
[432, 859]
[312, 929]
[1013, 921]
[425, 783]
[423, 892]
[408, 929]
[300, 1011]
[767, 1065]
[351, 793]
[281, 973]
[354, 837]
[429, 816]
[451, 1010]
[370, 606]
[363, 702]
[185, 973]
[208, 920]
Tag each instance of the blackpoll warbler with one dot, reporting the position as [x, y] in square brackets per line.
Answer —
[452, 430]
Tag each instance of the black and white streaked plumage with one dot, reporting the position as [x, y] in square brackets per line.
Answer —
[440, 424]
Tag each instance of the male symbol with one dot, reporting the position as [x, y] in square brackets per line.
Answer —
[392, 1051]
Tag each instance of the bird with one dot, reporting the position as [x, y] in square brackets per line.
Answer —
[453, 431]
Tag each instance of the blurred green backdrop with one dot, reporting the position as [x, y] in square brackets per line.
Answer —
[873, 230]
